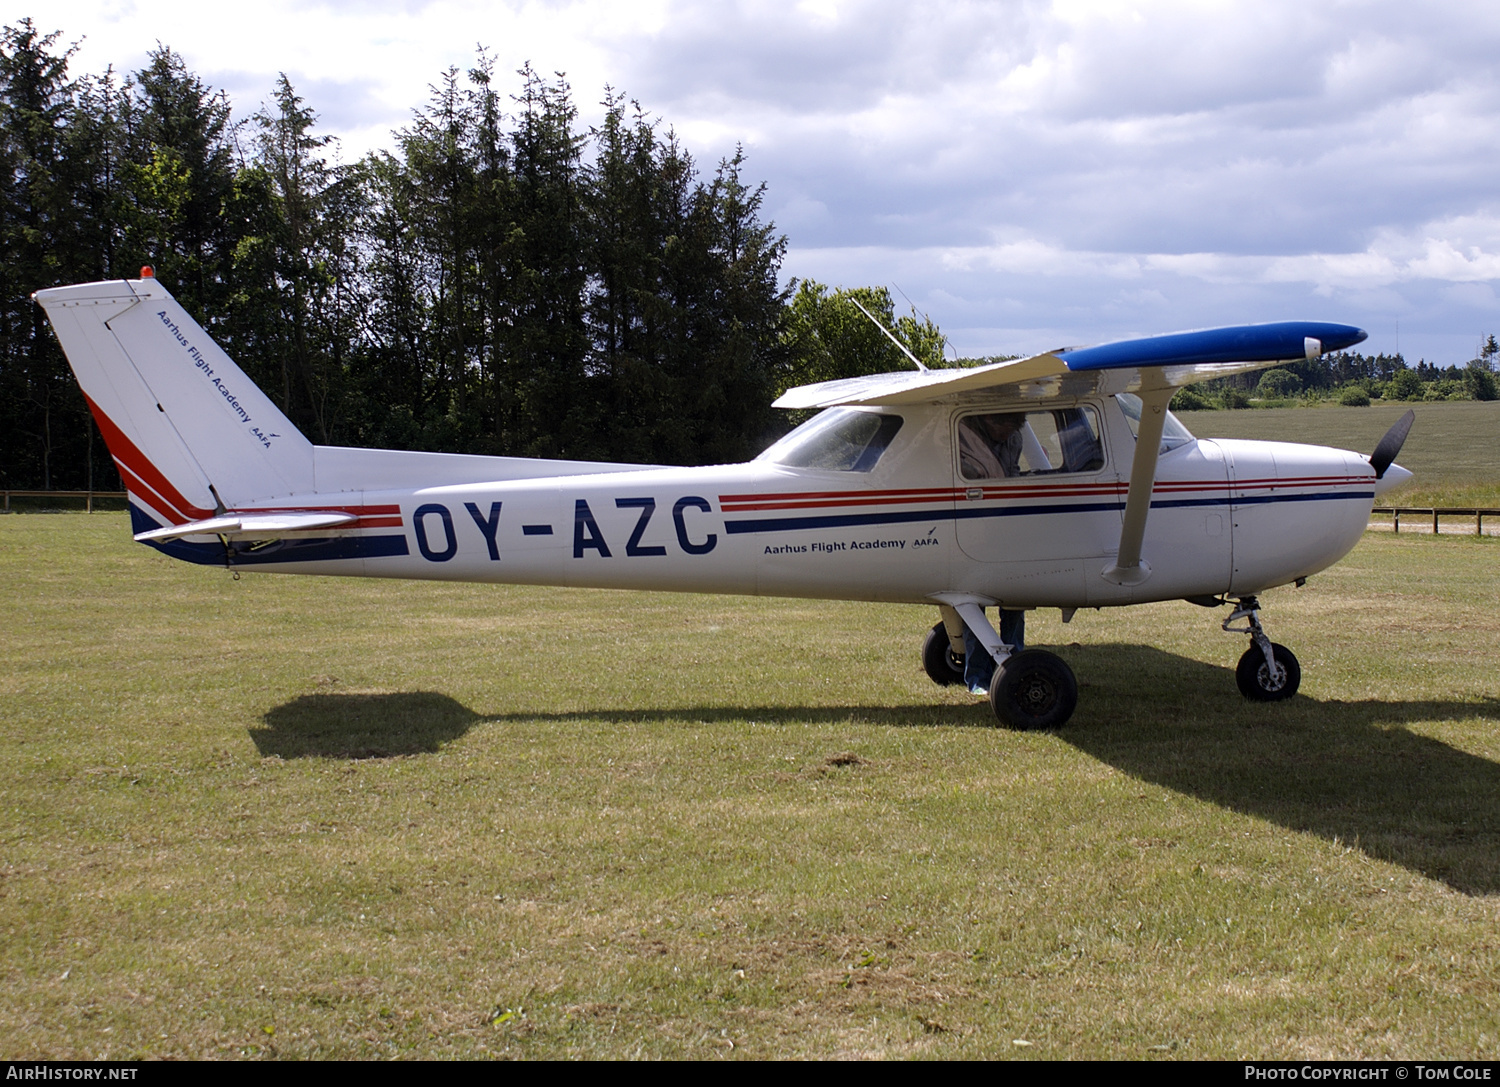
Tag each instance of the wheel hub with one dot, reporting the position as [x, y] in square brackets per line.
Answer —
[1271, 679]
[1036, 694]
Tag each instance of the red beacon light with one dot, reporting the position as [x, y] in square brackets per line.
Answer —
[148, 272]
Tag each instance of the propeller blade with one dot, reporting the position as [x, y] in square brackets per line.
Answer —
[1390, 445]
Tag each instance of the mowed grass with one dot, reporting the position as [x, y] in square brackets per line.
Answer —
[1452, 447]
[308, 817]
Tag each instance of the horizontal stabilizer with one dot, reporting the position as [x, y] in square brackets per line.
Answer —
[258, 526]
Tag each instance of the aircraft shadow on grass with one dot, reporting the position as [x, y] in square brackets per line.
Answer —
[362, 726]
[1349, 772]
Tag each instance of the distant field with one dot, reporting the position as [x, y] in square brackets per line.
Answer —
[1454, 447]
[324, 818]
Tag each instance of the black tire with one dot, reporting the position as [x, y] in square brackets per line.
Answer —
[944, 667]
[1255, 680]
[1034, 689]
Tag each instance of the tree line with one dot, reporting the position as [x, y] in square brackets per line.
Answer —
[501, 281]
[1351, 379]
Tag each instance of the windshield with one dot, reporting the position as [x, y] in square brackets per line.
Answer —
[838, 440]
[1173, 433]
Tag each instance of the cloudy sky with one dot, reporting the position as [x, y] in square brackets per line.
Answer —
[1031, 175]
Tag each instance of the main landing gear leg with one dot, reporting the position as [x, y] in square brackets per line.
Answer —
[1030, 689]
[1267, 672]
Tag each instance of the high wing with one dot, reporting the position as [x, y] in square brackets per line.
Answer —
[1153, 368]
[1169, 361]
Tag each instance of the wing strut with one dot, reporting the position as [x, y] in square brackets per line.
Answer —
[1155, 394]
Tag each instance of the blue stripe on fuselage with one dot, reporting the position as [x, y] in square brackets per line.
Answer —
[850, 520]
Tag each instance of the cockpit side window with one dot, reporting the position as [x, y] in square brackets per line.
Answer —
[994, 445]
[838, 440]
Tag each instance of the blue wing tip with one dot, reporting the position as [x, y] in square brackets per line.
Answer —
[1237, 343]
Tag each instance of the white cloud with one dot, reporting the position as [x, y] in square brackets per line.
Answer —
[1030, 165]
[1453, 251]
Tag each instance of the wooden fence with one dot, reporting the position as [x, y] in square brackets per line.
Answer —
[87, 496]
[1425, 512]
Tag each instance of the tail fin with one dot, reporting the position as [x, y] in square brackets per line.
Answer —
[188, 430]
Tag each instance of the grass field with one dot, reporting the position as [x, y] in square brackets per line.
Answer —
[1452, 447]
[304, 817]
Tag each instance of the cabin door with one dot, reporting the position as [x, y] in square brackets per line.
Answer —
[1036, 490]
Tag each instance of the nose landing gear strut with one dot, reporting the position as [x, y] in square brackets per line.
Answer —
[1268, 672]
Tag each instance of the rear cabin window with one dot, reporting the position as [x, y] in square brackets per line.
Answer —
[838, 440]
[994, 445]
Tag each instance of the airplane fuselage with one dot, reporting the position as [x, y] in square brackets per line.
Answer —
[1227, 517]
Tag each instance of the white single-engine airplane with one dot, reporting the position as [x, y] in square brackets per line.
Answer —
[1059, 480]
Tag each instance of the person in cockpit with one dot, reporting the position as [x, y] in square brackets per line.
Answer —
[989, 446]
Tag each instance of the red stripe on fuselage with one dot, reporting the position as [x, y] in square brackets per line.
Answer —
[799, 500]
[362, 511]
[383, 516]
[131, 459]
[910, 494]
[140, 491]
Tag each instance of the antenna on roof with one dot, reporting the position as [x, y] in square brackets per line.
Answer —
[916, 361]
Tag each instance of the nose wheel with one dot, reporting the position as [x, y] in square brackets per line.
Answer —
[1260, 680]
[1268, 672]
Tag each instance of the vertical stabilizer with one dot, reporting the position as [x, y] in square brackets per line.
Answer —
[184, 424]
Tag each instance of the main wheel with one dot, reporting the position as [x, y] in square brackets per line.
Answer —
[944, 667]
[1034, 689]
[1256, 680]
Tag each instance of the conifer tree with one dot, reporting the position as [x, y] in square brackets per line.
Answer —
[43, 429]
[295, 302]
